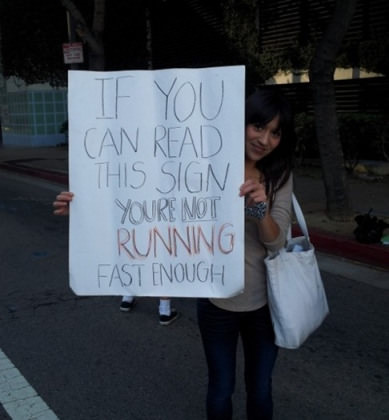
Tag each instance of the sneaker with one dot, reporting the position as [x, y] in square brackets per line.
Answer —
[168, 319]
[127, 306]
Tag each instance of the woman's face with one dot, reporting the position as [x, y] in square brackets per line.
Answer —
[261, 140]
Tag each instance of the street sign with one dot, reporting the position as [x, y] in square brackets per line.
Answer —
[73, 53]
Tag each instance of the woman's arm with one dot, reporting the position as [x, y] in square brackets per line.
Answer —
[273, 224]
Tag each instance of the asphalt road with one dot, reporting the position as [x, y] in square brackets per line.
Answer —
[87, 360]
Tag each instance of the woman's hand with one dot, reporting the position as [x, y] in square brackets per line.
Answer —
[61, 203]
[254, 190]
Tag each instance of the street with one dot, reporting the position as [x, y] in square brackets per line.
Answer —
[87, 360]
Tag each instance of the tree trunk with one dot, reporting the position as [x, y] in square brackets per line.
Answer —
[93, 37]
[321, 75]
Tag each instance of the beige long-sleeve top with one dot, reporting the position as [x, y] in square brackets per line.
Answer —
[254, 295]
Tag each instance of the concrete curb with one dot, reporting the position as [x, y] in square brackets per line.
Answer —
[375, 255]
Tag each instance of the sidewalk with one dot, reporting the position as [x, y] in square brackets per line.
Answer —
[329, 237]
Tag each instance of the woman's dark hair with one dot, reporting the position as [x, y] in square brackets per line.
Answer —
[262, 106]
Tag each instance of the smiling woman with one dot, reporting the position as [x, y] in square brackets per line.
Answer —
[262, 139]
[267, 189]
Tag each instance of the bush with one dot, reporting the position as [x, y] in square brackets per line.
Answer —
[64, 129]
[307, 146]
[361, 136]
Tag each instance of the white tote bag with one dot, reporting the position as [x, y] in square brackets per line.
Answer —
[296, 295]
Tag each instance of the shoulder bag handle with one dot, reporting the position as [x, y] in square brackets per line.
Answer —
[300, 216]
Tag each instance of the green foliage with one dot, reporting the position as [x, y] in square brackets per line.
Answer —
[371, 55]
[361, 136]
[32, 34]
[239, 18]
[33, 31]
[64, 129]
[296, 56]
[269, 63]
[374, 55]
[307, 146]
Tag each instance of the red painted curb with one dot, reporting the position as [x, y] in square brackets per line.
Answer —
[371, 254]
[39, 173]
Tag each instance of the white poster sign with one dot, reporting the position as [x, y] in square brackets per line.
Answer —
[156, 162]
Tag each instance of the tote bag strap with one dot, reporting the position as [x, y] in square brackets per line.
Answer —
[300, 216]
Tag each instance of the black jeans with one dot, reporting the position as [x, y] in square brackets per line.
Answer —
[220, 330]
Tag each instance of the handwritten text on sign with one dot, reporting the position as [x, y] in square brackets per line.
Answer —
[156, 161]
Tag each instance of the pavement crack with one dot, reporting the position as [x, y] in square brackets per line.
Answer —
[39, 305]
